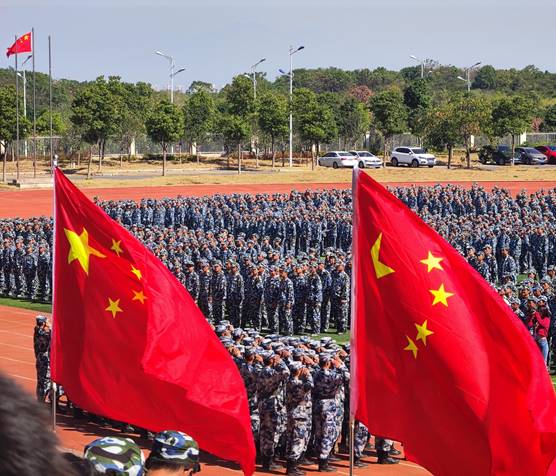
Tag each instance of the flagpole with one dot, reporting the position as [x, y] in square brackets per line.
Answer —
[52, 292]
[34, 107]
[50, 102]
[16, 115]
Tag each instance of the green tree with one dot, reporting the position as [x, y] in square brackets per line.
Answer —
[418, 100]
[353, 121]
[97, 113]
[198, 114]
[441, 128]
[549, 123]
[273, 118]
[239, 97]
[485, 79]
[235, 131]
[43, 124]
[164, 126]
[389, 114]
[512, 115]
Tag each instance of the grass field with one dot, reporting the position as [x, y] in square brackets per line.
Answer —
[24, 304]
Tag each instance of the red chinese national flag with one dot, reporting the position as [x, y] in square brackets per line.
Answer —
[439, 361]
[130, 344]
[22, 45]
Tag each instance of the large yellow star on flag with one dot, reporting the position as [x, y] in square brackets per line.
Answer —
[113, 307]
[440, 295]
[411, 346]
[116, 247]
[80, 249]
[381, 269]
[432, 262]
[139, 296]
[136, 272]
[423, 332]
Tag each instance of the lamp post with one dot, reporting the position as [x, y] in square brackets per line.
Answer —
[254, 76]
[292, 52]
[422, 62]
[172, 75]
[467, 78]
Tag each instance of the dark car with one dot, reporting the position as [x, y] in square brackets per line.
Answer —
[500, 155]
[530, 156]
[549, 151]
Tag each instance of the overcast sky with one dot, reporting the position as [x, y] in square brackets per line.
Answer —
[217, 39]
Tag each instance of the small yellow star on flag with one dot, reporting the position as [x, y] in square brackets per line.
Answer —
[80, 249]
[440, 295]
[432, 262]
[113, 307]
[136, 272]
[411, 346]
[116, 247]
[423, 332]
[139, 296]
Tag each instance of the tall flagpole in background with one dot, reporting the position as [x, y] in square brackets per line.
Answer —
[50, 102]
[34, 107]
[16, 114]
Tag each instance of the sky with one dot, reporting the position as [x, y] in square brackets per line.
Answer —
[218, 39]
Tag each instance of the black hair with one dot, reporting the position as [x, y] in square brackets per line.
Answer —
[27, 444]
[153, 462]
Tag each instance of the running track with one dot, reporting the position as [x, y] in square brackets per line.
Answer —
[31, 203]
[17, 360]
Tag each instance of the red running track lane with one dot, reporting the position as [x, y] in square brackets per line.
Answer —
[32, 203]
[18, 361]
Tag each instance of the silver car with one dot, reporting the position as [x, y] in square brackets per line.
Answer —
[366, 159]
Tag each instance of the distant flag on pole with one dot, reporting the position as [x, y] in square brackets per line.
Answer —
[22, 45]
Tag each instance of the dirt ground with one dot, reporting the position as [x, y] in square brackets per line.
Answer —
[18, 362]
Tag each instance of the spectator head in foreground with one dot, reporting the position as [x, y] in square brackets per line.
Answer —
[115, 457]
[27, 444]
[173, 453]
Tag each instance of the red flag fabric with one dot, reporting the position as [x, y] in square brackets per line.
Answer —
[130, 344]
[22, 45]
[439, 361]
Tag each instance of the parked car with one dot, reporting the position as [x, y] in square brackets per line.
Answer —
[530, 156]
[412, 156]
[549, 151]
[366, 159]
[337, 158]
[500, 155]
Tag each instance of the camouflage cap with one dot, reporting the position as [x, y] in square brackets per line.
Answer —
[176, 446]
[115, 455]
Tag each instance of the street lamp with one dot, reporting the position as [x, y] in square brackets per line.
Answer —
[292, 52]
[23, 76]
[254, 76]
[467, 78]
[422, 62]
[172, 75]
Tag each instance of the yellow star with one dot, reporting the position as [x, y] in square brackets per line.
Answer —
[139, 296]
[113, 307]
[116, 247]
[411, 346]
[432, 262]
[381, 269]
[440, 295]
[136, 272]
[80, 249]
[423, 332]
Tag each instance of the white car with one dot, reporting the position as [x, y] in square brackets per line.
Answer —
[338, 158]
[412, 156]
[366, 159]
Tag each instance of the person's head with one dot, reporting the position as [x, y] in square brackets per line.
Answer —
[27, 444]
[115, 457]
[173, 453]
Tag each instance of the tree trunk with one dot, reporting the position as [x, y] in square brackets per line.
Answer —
[4, 163]
[467, 153]
[450, 156]
[384, 154]
[13, 153]
[513, 150]
[78, 157]
[239, 159]
[313, 156]
[90, 162]
[197, 153]
[228, 159]
[273, 152]
[121, 161]
[164, 160]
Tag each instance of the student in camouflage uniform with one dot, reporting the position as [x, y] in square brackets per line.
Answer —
[43, 268]
[218, 291]
[340, 298]
[235, 295]
[41, 344]
[112, 455]
[191, 281]
[205, 296]
[286, 301]
[271, 298]
[314, 299]
[29, 272]
[299, 282]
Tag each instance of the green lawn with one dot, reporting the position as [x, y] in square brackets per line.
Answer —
[22, 303]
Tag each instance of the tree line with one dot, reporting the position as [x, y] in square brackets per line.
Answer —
[329, 106]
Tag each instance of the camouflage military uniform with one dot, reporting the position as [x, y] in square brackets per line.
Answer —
[299, 411]
[340, 300]
[286, 301]
[111, 455]
[271, 297]
[234, 297]
[41, 344]
[218, 294]
[314, 300]
[205, 299]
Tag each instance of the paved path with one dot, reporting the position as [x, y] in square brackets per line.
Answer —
[17, 360]
[29, 203]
